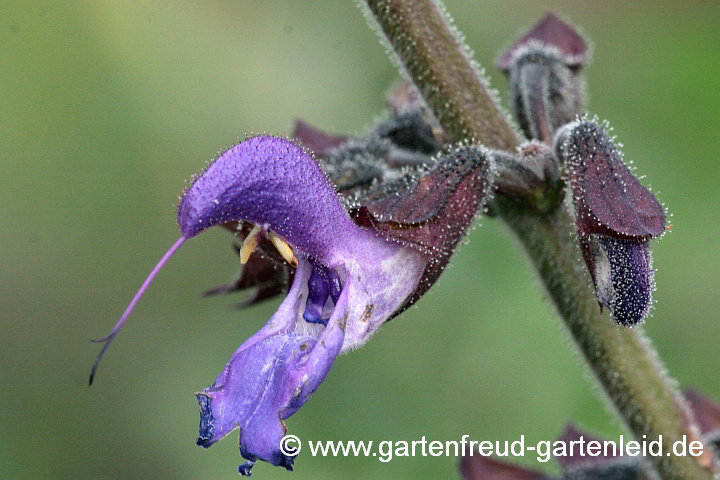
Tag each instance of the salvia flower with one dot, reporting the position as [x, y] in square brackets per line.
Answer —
[615, 216]
[348, 270]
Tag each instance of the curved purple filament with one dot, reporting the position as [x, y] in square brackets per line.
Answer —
[111, 336]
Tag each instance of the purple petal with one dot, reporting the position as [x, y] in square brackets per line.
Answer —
[624, 278]
[607, 196]
[268, 181]
[266, 381]
[276, 370]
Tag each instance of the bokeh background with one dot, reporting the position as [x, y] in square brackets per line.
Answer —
[106, 107]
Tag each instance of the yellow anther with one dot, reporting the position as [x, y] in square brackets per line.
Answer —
[284, 248]
[250, 243]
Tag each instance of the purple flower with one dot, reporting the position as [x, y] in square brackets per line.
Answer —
[349, 270]
[615, 216]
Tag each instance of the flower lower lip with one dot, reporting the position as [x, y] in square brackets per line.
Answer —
[275, 371]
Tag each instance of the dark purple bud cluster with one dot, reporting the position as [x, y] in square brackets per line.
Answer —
[405, 139]
[615, 215]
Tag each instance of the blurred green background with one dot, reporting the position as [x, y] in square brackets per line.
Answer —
[108, 106]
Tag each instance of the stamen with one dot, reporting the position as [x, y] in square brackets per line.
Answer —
[284, 248]
[108, 339]
[250, 243]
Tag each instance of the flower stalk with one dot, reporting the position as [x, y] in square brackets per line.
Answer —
[432, 54]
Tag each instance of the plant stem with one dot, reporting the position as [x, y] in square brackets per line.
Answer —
[431, 52]
[459, 95]
[622, 359]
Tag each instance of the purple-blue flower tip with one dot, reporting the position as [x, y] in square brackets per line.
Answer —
[271, 182]
[259, 388]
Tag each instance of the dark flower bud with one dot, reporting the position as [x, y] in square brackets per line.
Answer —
[404, 97]
[706, 414]
[358, 163]
[545, 93]
[404, 139]
[410, 130]
[478, 467]
[546, 87]
[615, 216]
[407, 136]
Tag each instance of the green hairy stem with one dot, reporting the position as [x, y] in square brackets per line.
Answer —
[432, 54]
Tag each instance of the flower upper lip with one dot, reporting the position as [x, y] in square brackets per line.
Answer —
[268, 181]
